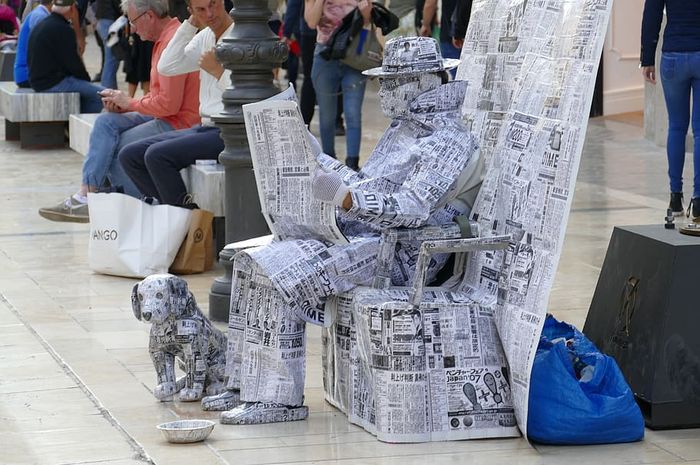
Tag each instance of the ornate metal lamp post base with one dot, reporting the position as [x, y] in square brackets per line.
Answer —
[251, 51]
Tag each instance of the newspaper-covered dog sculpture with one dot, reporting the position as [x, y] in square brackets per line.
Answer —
[179, 330]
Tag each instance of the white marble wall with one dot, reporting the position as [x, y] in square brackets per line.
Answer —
[25, 105]
[623, 86]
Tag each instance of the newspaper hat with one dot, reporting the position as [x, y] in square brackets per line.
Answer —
[63, 2]
[411, 55]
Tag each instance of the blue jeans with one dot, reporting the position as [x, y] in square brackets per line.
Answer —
[329, 77]
[111, 64]
[450, 51]
[90, 102]
[680, 72]
[113, 131]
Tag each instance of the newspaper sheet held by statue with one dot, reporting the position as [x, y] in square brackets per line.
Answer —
[534, 65]
[284, 163]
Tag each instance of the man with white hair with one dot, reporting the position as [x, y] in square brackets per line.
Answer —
[425, 170]
[171, 104]
[54, 62]
[154, 163]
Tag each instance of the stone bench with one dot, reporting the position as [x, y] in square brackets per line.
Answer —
[204, 180]
[79, 127]
[7, 65]
[36, 119]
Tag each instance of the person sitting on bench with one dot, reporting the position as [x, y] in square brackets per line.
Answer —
[172, 104]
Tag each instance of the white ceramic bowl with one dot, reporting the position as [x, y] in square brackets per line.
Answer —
[184, 431]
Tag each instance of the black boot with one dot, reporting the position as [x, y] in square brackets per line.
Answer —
[676, 203]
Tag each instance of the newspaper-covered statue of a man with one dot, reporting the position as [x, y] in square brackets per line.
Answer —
[425, 170]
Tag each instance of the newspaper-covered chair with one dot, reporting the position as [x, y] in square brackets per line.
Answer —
[419, 363]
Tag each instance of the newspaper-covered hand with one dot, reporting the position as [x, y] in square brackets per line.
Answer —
[329, 187]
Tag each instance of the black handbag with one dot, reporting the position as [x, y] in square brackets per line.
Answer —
[122, 49]
[364, 50]
[356, 46]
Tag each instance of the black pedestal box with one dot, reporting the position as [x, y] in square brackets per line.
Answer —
[646, 314]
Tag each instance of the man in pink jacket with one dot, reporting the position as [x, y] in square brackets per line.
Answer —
[173, 103]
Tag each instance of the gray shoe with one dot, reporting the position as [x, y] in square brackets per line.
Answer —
[255, 413]
[222, 402]
[70, 210]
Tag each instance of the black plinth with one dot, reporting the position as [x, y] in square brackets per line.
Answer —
[646, 314]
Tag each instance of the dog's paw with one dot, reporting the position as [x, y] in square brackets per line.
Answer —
[191, 394]
[164, 392]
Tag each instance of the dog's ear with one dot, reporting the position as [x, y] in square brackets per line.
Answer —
[178, 295]
[135, 302]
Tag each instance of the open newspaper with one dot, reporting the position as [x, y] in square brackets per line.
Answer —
[284, 163]
[533, 65]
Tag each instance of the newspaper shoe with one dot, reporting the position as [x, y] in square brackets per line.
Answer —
[254, 413]
[70, 210]
[222, 402]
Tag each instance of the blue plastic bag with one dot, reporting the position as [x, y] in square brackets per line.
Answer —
[577, 394]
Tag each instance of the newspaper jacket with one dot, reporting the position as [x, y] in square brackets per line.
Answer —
[414, 177]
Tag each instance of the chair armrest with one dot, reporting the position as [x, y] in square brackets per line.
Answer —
[389, 238]
[431, 247]
[249, 243]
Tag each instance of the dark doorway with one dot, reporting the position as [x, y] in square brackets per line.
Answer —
[597, 104]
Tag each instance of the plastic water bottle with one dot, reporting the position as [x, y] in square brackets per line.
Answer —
[587, 373]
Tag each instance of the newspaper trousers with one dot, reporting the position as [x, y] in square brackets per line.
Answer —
[266, 356]
[271, 303]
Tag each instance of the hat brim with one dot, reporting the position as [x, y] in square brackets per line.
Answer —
[447, 64]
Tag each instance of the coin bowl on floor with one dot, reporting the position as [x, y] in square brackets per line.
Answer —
[184, 431]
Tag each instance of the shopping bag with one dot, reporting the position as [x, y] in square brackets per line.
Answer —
[196, 253]
[578, 395]
[364, 51]
[131, 238]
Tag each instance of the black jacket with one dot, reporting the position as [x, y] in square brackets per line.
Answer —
[52, 53]
[682, 33]
[352, 23]
[108, 9]
[460, 19]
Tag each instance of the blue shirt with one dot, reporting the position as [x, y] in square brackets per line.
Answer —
[682, 33]
[32, 19]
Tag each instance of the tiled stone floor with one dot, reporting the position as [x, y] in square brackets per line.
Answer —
[76, 379]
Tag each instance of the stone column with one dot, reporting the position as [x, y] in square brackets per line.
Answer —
[251, 51]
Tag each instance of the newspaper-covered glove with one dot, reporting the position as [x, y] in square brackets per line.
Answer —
[329, 187]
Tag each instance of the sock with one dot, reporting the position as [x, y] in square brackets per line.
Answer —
[80, 198]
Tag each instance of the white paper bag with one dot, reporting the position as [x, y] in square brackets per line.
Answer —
[131, 238]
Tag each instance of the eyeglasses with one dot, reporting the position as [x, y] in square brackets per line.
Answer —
[132, 23]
